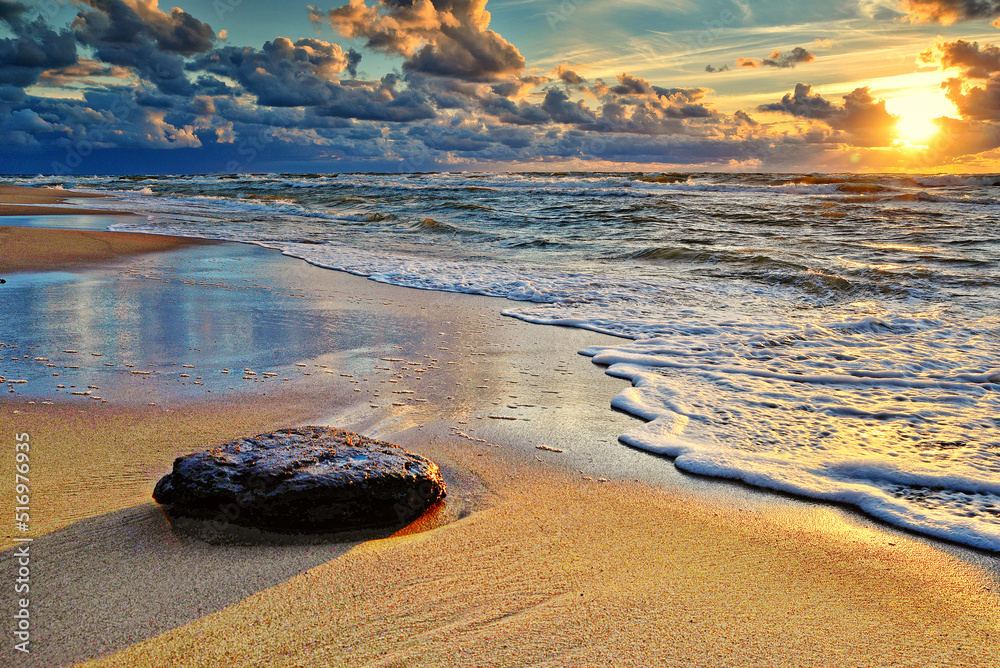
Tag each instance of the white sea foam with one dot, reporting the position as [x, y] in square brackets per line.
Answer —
[913, 445]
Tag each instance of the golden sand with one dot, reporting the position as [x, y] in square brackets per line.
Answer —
[567, 572]
[88, 460]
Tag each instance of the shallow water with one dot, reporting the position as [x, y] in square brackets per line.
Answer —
[836, 337]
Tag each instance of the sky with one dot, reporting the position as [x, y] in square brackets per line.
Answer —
[232, 86]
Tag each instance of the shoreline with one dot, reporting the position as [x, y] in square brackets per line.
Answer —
[583, 556]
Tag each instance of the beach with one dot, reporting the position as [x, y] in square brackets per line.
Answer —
[579, 552]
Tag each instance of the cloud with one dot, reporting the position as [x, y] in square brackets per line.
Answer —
[283, 73]
[743, 118]
[139, 79]
[138, 35]
[778, 59]
[33, 49]
[957, 137]
[568, 76]
[353, 60]
[26, 120]
[561, 110]
[519, 113]
[709, 68]
[381, 101]
[449, 38]
[81, 71]
[981, 102]
[862, 116]
[128, 21]
[947, 12]
[10, 12]
[975, 62]
[635, 106]
[974, 98]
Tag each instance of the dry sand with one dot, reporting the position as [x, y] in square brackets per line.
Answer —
[88, 459]
[536, 562]
[567, 572]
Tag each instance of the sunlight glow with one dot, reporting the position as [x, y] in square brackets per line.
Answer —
[916, 113]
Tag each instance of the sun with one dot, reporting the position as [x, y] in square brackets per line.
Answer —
[915, 130]
[917, 111]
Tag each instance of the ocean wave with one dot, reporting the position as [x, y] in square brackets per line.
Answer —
[947, 180]
[431, 225]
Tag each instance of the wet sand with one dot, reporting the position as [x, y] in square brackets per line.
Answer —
[26, 249]
[24, 201]
[10, 194]
[581, 553]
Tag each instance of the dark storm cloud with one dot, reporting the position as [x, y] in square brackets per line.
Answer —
[633, 105]
[515, 113]
[743, 118]
[11, 12]
[562, 110]
[305, 74]
[861, 115]
[778, 59]
[461, 140]
[353, 60]
[283, 73]
[113, 119]
[949, 11]
[382, 102]
[34, 48]
[448, 38]
[802, 102]
[120, 22]
[142, 37]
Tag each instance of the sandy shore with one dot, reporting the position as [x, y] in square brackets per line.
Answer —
[13, 195]
[26, 249]
[593, 555]
[24, 201]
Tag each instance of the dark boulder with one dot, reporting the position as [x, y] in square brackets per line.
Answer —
[302, 480]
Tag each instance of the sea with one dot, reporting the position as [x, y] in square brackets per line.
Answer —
[835, 337]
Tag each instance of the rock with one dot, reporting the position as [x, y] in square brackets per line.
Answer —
[302, 480]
